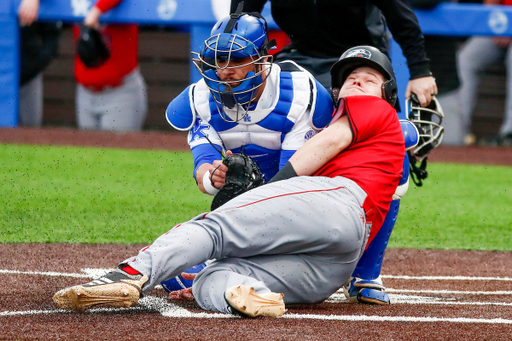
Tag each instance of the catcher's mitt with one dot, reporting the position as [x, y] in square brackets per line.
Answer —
[91, 48]
[242, 175]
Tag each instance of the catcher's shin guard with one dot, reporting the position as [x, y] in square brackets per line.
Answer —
[366, 291]
[369, 266]
[246, 302]
[116, 289]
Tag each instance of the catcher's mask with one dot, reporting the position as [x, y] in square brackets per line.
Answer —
[428, 121]
[239, 36]
[359, 56]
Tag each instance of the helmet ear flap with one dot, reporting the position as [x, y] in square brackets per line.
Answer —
[389, 92]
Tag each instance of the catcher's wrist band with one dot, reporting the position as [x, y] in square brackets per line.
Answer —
[207, 184]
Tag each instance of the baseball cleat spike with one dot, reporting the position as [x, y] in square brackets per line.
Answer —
[246, 301]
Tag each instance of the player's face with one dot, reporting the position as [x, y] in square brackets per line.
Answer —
[235, 70]
[363, 81]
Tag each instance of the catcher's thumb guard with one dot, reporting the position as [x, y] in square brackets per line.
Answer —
[91, 48]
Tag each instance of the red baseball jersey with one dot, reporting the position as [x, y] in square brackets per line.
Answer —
[122, 41]
[374, 158]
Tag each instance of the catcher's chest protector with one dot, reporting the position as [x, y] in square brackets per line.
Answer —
[293, 99]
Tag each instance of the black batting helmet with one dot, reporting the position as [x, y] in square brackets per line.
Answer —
[365, 56]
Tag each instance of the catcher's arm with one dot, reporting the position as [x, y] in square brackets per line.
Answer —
[211, 177]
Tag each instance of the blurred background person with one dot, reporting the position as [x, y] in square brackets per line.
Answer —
[314, 28]
[39, 44]
[474, 57]
[113, 95]
[442, 51]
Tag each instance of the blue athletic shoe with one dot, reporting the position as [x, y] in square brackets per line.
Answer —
[366, 291]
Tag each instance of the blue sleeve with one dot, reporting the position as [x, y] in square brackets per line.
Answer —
[179, 113]
[285, 156]
[204, 153]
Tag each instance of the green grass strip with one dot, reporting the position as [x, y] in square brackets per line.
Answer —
[92, 195]
[465, 207]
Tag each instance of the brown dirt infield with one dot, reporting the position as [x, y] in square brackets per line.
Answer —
[477, 306]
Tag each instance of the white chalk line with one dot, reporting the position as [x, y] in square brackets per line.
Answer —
[169, 309]
[407, 299]
[94, 273]
[359, 318]
[389, 290]
[51, 273]
[449, 278]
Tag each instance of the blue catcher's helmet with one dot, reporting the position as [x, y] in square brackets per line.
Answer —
[239, 36]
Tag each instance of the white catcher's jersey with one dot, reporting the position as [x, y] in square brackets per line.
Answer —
[293, 107]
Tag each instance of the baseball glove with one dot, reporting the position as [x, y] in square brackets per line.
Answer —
[243, 174]
[91, 48]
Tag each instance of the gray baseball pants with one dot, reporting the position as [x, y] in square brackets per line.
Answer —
[301, 237]
[478, 54]
[123, 108]
[30, 112]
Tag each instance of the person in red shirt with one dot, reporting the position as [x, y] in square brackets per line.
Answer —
[296, 239]
[113, 95]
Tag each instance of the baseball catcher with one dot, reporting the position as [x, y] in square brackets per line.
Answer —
[243, 174]
[246, 105]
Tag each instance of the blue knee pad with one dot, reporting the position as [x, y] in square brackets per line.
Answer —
[178, 282]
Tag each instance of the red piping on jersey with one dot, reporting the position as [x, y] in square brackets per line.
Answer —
[287, 194]
[282, 195]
